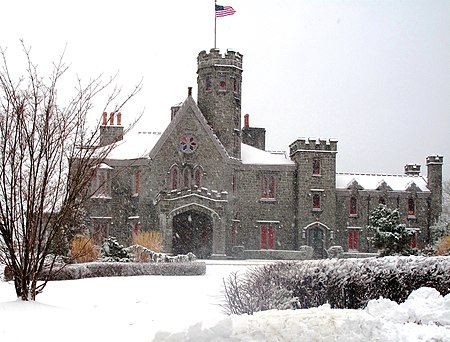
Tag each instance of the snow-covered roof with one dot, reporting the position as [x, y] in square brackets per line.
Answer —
[375, 181]
[135, 145]
[252, 155]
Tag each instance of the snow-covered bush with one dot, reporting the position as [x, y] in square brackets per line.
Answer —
[122, 269]
[343, 283]
[112, 250]
[389, 235]
[142, 254]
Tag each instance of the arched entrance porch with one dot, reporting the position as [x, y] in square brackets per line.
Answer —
[316, 237]
[192, 232]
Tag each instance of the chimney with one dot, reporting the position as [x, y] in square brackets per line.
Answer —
[246, 120]
[119, 118]
[111, 119]
[189, 91]
[412, 169]
[111, 133]
[105, 118]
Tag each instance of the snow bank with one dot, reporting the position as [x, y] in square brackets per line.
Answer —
[425, 316]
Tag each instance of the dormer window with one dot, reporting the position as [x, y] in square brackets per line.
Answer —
[316, 167]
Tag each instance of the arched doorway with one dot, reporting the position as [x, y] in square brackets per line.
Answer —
[192, 232]
[316, 239]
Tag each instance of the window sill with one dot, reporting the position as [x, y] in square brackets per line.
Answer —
[317, 175]
[135, 195]
[267, 200]
[101, 197]
[353, 215]
[317, 209]
[412, 217]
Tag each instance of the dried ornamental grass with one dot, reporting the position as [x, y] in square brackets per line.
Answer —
[83, 249]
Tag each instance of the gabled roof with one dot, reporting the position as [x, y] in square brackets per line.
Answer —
[189, 103]
[378, 181]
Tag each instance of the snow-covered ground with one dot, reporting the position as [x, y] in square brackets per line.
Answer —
[158, 308]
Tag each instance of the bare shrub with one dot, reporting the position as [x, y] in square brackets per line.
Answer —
[83, 249]
[444, 246]
[150, 239]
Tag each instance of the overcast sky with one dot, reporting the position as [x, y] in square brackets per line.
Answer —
[375, 75]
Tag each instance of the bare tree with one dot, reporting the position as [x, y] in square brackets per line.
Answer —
[48, 155]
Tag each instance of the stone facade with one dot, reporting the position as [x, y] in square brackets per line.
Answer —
[209, 187]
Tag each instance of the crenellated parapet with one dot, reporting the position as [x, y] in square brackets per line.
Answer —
[215, 58]
[206, 193]
[313, 145]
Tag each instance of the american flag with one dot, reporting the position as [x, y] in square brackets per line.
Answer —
[223, 11]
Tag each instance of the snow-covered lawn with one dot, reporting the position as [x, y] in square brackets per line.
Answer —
[158, 308]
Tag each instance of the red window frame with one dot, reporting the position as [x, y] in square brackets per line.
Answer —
[198, 177]
[353, 210]
[268, 187]
[353, 239]
[267, 237]
[187, 178]
[174, 177]
[137, 176]
[411, 207]
[136, 228]
[316, 201]
[316, 167]
[100, 230]
[412, 241]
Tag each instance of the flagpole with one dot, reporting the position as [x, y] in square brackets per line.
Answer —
[215, 23]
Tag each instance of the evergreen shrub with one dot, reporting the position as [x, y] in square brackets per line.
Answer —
[343, 283]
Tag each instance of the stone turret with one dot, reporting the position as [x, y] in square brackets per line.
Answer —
[219, 96]
[114, 131]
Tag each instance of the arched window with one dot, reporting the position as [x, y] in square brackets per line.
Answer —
[174, 178]
[316, 167]
[208, 83]
[353, 206]
[187, 178]
[198, 176]
[411, 207]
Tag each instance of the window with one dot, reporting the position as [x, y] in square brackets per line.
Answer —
[353, 239]
[411, 207]
[135, 183]
[268, 186]
[222, 84]
[316, 201]
[174, 178]
[316, 167]
[353, 206]
[198, 176]
[136, 228]
[382, 201]
[233, 234]
[234, 183]
[188, 144]
[412, 241]
[187, 178]
[99, 230]
[267, 237]
[208, 83]
[101, 182]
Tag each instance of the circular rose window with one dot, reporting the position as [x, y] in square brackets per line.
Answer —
[188, 144]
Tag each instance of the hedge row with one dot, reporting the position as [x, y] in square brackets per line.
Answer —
[343, 283]
[120, 269]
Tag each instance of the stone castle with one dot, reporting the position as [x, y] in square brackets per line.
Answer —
[208, 185]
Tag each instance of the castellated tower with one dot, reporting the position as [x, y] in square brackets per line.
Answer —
[316, 192]
[219, 96]
[434, 174]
